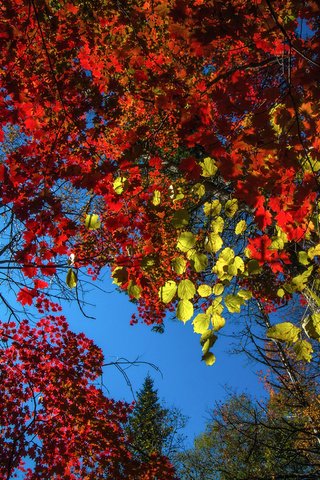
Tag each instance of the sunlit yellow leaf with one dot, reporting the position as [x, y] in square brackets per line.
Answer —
[186, 289]
[212, 209]
[186, 241]
[201, 323]
[156, 199]
[231, 207]
[209, 167]
[71, 279]
[119, 184]
[240, 227]
[209, 358]
[168, 291]
[204, 290]
[92, 222]
[284, 332]
[184, 310]
[179, 265]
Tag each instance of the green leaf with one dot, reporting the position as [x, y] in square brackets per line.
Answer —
[184, 310]
[212, 209]
[240, 227]
[200, 261]
[281, 293]
[215, 307]
[233, 303]
[218, 289]
[207, 340]
[314, 252]
[311, 326]
[168, 291]
[201, 323]
[71, 279]
[179, 265]
[209, 167]
[186, 241]
[213, 243]
[199, 190]
[236, 265]
[156, 199]
[209, 358]
[186, 289]
[303, 350]
[217, 322]
[299, 282]
[120, 184]
[120, 275]
[134, 291]
[227, 255]
[277, 244]
[217, 225]
[303, 258]
[231, 207]
[253, 267]
[246, 294]
[314, 296]
[180, 218]
[148, 262]
[204, 290]
[92, 222]
[284, 332]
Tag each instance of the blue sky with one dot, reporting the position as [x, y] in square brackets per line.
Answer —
[184, 382]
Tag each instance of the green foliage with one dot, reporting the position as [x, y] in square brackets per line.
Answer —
[186, 290]
[312, 326]
[186, 241]
[168, 291]
[303, 350]
[284, 332]
[201, 323]
[92, 222]
[71, 279]
[247, 440]
[208, 167]
[180, 218]
[152, 428]
[185, 310]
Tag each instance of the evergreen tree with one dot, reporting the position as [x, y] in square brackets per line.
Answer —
[151, 427]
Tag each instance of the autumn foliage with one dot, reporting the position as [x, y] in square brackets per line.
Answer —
[176, 142]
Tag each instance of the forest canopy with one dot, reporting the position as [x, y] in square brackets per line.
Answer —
[177, 144]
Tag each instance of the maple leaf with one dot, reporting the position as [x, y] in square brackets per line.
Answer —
[26, 296]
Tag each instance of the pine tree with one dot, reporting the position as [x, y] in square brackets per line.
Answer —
[152, 427]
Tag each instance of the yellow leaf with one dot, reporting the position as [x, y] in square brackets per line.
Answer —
[240, 227]
[231, 207]
[156, 199]
[201, 323]
[204, 290]
[186, 289]
[186, 241]
[119, 184]
[212, 209]
[168, 291]
[71, 279]
[209, 358]
[209, 167]
[92, 222]
[184, 310]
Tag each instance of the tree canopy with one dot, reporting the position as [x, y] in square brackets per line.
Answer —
[175, 142]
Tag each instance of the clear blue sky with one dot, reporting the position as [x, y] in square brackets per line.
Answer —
[186, 382]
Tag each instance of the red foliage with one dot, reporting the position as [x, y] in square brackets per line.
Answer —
[94, 91]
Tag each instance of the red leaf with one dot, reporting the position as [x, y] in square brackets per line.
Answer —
[26, 296]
